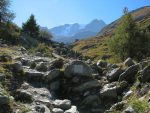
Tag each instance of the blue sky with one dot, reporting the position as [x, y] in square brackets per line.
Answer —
[50, 13]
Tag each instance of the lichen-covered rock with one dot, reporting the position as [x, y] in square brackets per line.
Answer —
[87, 85]
[63, 104]
[77, 68]
[73, 109]
[57, 110]
[109, 91]
[52, 75]
[33, 75]
[114, 74]
[129, 74]
[145, 74]
[17, 66]
[128, 62]
[56, 64]
[24, 96]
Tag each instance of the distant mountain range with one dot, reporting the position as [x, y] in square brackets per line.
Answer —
[70, 32]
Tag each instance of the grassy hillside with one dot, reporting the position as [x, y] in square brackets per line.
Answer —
[96, 47]
[138, 15]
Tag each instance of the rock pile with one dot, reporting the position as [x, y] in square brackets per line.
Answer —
[66, 86]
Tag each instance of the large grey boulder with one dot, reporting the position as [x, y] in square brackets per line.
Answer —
[87, 85]
[33, 75]
[17, 66]
[24, 96]
[63, 104]
[4, 100]
[52, 75]
[109, 91]
[77, 68]
[57, 110]
[129, 74]
[25, 61]
[114, 74]
[56, 64]
[73, 109]
[145, 74]
[128, 62]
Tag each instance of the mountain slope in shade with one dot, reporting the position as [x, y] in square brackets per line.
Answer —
[69, 32]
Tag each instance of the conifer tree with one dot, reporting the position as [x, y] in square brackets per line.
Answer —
[5, 14]
[31, 28]
[126, 41]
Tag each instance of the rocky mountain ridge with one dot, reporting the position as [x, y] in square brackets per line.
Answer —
[70, 32]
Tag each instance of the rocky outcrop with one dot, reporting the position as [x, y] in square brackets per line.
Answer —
[63, 104]
[73, 109]
[130, 74]
[145, 74]
[33, 75]
[52, 75]
[17, 66]
[77, 68]
[114, 74]
[128, 62]
[24, 96]
[86, 86]
[109, 91]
